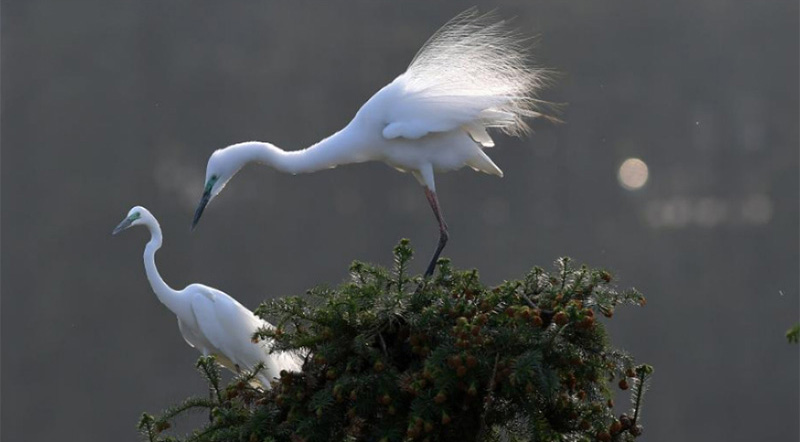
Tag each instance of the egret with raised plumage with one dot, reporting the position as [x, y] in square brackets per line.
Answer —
[472, 76]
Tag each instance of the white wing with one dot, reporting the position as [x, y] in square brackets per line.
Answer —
[472, 74]
[225, 323]
[188, 335]
[229, 327]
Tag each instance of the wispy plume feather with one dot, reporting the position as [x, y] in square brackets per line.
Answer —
[477, 62]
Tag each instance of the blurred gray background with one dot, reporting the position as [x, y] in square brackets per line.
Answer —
[108, 104]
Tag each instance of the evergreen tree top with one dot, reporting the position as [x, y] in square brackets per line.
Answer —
[394, 357]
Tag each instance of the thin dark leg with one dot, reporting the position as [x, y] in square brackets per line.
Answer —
[443, 235]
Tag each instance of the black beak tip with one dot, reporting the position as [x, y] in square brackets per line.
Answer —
[199, 212]
[122, 226]
[196, 218]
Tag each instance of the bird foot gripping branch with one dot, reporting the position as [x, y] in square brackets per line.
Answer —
[457, 360]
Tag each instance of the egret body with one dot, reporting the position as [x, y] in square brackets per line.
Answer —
[210, 320]
[472, 75]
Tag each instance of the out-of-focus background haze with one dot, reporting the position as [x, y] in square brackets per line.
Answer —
[106, 105]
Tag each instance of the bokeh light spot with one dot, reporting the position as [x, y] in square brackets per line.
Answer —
[633, 174]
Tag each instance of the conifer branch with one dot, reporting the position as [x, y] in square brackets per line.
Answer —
[489, 399]
[207, 365]
[449, 360]
[146, 426]
[642, 373]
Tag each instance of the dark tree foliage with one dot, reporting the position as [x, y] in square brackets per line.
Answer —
[391, 357]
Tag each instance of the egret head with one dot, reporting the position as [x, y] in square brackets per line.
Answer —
[135, 216]
[219, 171]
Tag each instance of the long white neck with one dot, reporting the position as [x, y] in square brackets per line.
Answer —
[343, 147]
[169, 297]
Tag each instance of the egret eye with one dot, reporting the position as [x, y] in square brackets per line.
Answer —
[211, 181]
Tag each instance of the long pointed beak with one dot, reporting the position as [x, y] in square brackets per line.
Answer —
[122, 226]
[200, 207]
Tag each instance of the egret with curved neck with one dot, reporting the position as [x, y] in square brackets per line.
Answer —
[472, 75]
[209, 320]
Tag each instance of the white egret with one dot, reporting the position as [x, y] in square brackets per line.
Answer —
[471, 75]
[210, 320]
